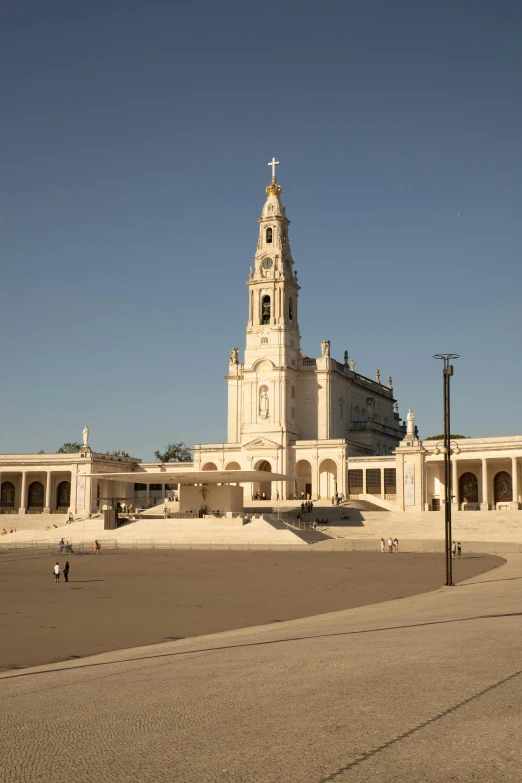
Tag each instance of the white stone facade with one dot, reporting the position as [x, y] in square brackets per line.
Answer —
[287, 412]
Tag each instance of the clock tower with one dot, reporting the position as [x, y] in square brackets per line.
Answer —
[272, 329]
[262, 389]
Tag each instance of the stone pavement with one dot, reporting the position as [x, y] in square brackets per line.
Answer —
[421, 689]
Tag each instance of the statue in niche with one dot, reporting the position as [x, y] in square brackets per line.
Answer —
[346, 358]
[410, 418]
[325, 348]
[263, 403]
[234, 354]
[85, 436]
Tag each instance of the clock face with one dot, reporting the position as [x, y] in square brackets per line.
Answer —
[267, 262]
[264, 370]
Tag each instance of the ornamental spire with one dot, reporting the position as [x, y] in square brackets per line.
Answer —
[274, 189]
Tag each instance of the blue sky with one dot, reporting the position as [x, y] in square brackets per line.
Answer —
[134, 144]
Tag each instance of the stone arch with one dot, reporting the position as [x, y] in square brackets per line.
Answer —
[327, 478]
[468, 488]
[233, 466]
[502, 487]
[263, 486]
[303, 469]
[63, 494]
[7, 494]
[269, 235]
[35, 495]
[209, 466]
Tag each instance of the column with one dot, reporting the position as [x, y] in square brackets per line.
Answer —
[23, 494]
[48, 500]
[454, 485]
[514, 480]
[364, 481]
[484, 506]
[382, 483]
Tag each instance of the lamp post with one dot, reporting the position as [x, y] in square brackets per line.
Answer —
[447, 372]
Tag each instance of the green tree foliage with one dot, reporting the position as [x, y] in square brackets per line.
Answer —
[41, 451]
[117, 454]
[175, 452]
[441, 437]
[70, 448]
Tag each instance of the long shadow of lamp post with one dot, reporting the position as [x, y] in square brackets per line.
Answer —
[447, 372]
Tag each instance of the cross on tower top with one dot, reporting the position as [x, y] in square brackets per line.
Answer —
[273, 163]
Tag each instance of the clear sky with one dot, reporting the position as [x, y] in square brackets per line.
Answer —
[134, 140]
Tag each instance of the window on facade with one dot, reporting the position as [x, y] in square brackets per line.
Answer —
[290, 310]
[363, 414]
[293, 413]
[264, 341]
[355, 482]
[269, 235]
[265, 310]
[356, 413]
[341, 409]
[293, 392]
[390, 481]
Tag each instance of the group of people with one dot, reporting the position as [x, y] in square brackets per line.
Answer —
[57, 571]
[67, 546]
[4, 531]
[337, 499]
[393, 544]
[307, 507]
[317, 522]
[456, 550]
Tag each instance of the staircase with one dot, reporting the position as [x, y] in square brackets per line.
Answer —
[306, 534]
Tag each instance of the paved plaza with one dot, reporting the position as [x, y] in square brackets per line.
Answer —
[426, 688]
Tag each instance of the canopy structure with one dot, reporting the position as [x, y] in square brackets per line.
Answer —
[195, 476]
[208, 491]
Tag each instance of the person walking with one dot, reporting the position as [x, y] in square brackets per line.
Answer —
[66, 570]
[395, 544]
[61, 545]
[453, 550]
[390, 544]
[383, 545]
[56, 571]
[459, 549]
[97, 547]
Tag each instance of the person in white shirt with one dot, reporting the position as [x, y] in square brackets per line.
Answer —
[390, 544]
[382, 544]
[56, 570]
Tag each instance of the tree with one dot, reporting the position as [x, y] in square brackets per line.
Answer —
[441, 437]
[70, 448]
[175, 452]
[41, 451]
[117, 454]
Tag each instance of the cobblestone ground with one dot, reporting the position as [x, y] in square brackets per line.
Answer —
[427, 688]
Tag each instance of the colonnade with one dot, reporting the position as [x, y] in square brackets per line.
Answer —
[15, 485]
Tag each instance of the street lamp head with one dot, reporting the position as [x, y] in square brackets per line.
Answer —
[456, 451]
[444, 450]
[436, 451]
[446, 356]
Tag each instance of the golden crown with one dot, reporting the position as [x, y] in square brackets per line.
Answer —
[274, 189]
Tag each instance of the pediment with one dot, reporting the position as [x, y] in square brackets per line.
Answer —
[262, 443]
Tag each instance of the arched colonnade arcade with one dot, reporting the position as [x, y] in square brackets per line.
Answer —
[35, 492]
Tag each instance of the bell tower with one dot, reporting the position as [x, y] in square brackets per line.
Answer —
[273, 330]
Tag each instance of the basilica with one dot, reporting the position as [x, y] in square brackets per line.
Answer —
[287, 412]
